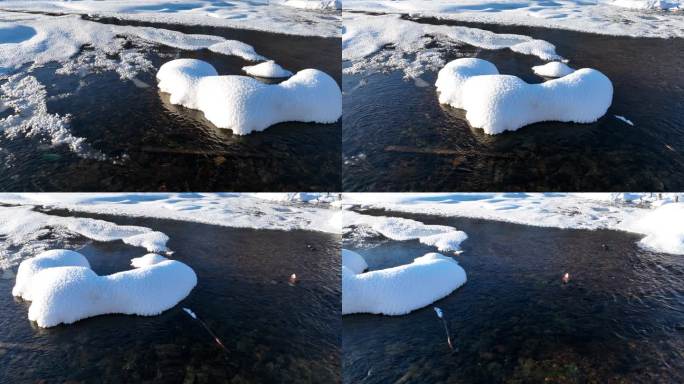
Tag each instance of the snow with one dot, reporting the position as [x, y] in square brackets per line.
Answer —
[638, 18]
[661, 224]
[498, 103]
[29, 268]
[402, 289]
[445, 238]
[451, 78]
[283, 212]
[244, 104]
[62, 293]
[267, 69]
[314, 4]
[18, 223]
[353, 261]
[365, 36]
[624, 119]
[553, 69]
[179, 78]
[663, 227]
[147, 260]
[236, 48]
[273, 16]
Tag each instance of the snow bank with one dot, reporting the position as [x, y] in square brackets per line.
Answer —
[661, 224]
[314, 4]
[400, 290]
[19, 223]
[244, 104]
[353, 261]
[267, 69]
[553, 69]
[663, 227]
[286, 213]
[443, 237]
[147, 260]
[498, 103]
[415, 47]
[29, 268]
[646, 18]
[236, 48]
[62, 293]
[270, 16]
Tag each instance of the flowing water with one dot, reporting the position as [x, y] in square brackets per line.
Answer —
[620, 318]
[274, 331]
[397, 137]
[152, 145]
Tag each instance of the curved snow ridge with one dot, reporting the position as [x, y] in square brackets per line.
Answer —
[403, 289]
[243, 104]
[553, 69]
[413, 43]
[20, 223]
[353, 261]
[498, 103]
[444, 238]
[63, 289]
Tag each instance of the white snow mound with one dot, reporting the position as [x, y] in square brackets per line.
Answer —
[450, 79]
[553, 69]
[48, 259]
[147, 260]
[400, 290]
[244, 104]
[67, 293]
[179, 78]
[663, 227]
[352, 260]
[267, 69]
[498, 103]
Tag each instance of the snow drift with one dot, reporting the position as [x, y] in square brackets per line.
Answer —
[662, 227]
[553, 69]
[267, 69]
[352, 260]
[63, 288]
[400, 290]
[498, 103]
[244, 104]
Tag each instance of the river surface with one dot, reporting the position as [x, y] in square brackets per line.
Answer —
[397, 137]
[619, 319]
[152, 145]
[274, 331]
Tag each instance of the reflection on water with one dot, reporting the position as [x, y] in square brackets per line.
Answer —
[619, 319]
[274, 331]
[152, 145]
[397, 137]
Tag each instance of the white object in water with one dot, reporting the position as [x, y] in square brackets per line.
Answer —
[64, 289]
[553, 69]
[400, 290]
[498, 103]
[355, 262]
[245, 105]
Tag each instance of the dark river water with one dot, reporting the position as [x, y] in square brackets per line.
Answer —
[274, 331]
[620, 319]
[153, 145]
[409, 142]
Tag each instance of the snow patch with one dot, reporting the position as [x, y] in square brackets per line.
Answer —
[403, 289]
[498, 103]
[353, 261]
[553, 69]
[417, 47]
[244, 104]
[624, 119]
[236, 48]
[443, 237]
[29, 268]
[267, 69]
[663, 227]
